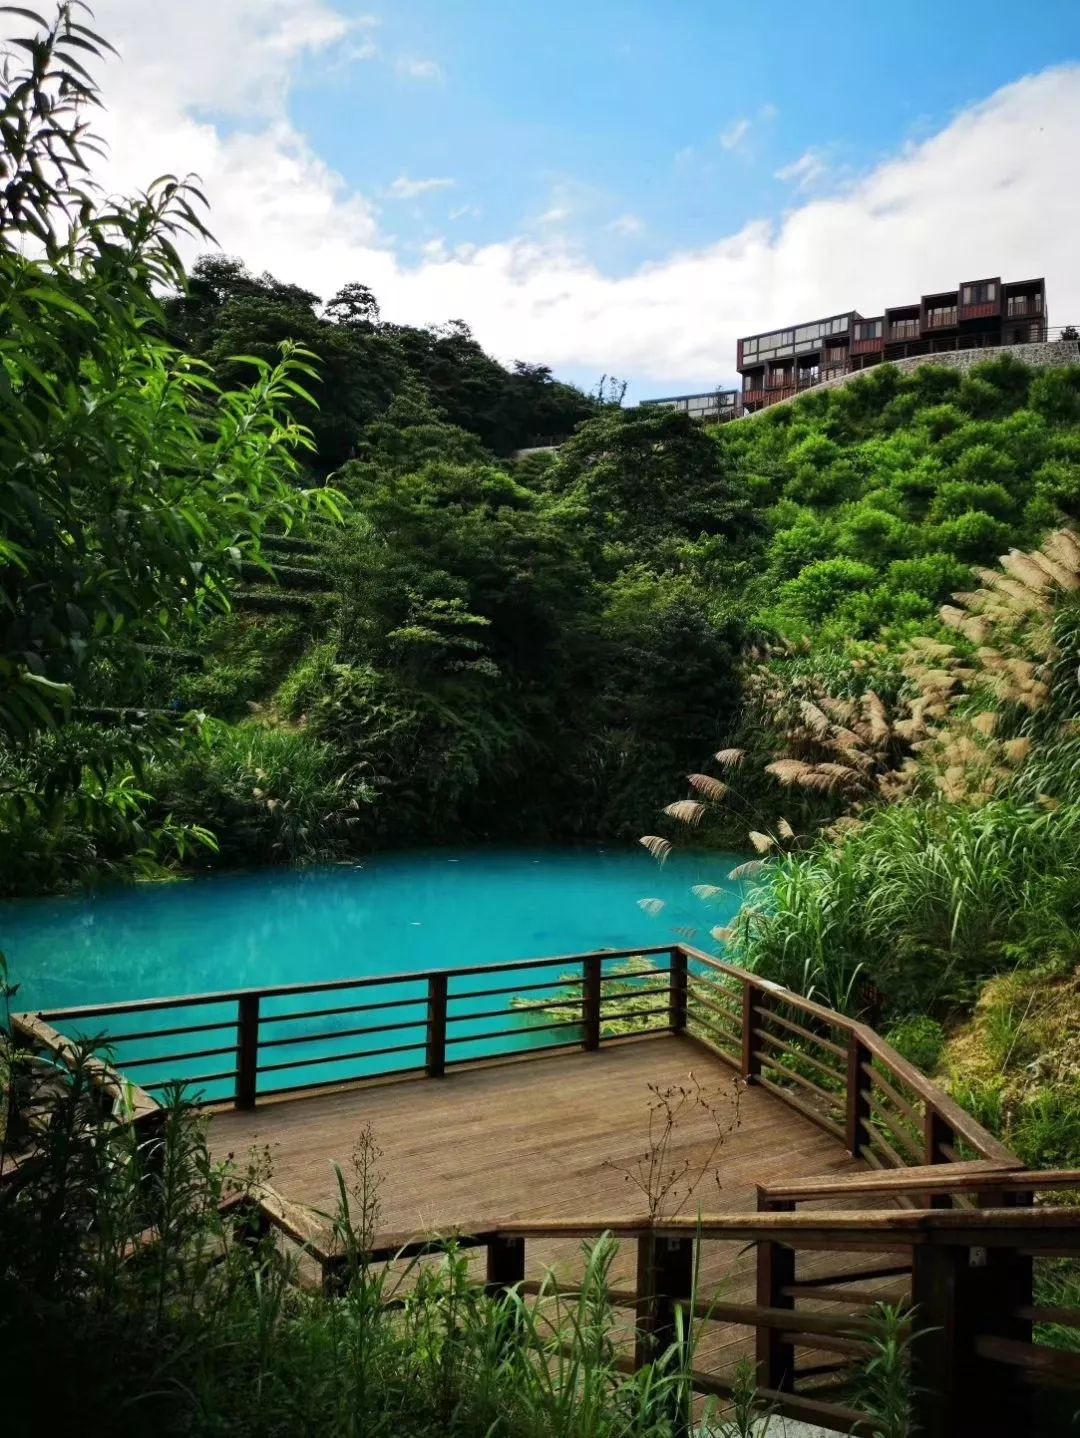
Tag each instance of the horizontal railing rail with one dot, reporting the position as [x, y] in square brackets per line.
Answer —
[247, 1044]
[994, 1184]
[837, 1072]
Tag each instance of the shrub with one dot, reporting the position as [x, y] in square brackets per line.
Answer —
[920, 1039]
[270, 795]
[115, 1243]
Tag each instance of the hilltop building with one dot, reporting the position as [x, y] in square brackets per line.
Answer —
[977, 314]
[779, 364]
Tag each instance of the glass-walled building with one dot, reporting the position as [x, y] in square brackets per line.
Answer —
[712, 407]
[979, 313]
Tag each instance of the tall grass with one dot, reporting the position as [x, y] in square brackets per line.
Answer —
[130, 1305]
[922, 901]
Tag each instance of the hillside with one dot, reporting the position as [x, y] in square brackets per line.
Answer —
[570, 630]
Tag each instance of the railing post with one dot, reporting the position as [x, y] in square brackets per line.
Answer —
[857, 1126]
[247, 1050]
[936, 1133]
[436, 1036]
[753, 1005]
[591, 990]
[665, 1280]
[938, 1373]
[775, 1273]
[505, 1263]
[960, 1293]
[677, 994]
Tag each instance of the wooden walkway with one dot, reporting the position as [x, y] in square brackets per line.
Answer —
[531, 1139]
[536, 1139]
[528, 1153]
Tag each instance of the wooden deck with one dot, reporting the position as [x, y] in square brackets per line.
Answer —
[535, 1139]
[528, 1154]
[531, 1139]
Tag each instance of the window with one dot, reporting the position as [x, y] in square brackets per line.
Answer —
[868, 330]
[941, 315]
[981, 294]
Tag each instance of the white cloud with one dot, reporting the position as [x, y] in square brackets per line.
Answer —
[984, 195]
[415, 69]
[233, 57]
[462, 212]
[363, 50]
[555, 216]
[804, 172]
[626, 225]
[735, 134]
[405, 189]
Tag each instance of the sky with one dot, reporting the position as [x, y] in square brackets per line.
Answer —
[621, 187]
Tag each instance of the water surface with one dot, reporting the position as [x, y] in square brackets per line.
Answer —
[397, 913]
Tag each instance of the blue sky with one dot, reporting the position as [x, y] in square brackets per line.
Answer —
[613, 110]
[622, 187]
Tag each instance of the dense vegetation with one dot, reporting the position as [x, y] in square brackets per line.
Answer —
[200, 1328]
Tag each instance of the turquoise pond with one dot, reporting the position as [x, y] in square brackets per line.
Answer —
[397, 913]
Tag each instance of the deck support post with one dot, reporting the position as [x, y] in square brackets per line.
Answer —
[247, 1050]
[677, 994]
[958, 1293]
[938, 1371]
[775, 1273]
[591, 992]
[857, 1126]
[436, 1035]
[505, 1264]
[665, 1281]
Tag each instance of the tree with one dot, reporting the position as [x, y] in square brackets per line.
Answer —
[131, 487]
[354, 306]
[646, 474]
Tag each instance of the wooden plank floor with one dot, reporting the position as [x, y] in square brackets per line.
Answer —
[531, 1139]
[537, 1139]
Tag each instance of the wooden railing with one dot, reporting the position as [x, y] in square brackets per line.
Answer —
[248, 1044]
[836, 1072]
[966, 1275]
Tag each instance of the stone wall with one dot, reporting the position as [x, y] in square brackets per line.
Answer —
[1050, 355]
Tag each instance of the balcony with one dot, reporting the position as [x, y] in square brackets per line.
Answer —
[900, 330]
[984, 310]
[941, 318]
[1020, 307]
